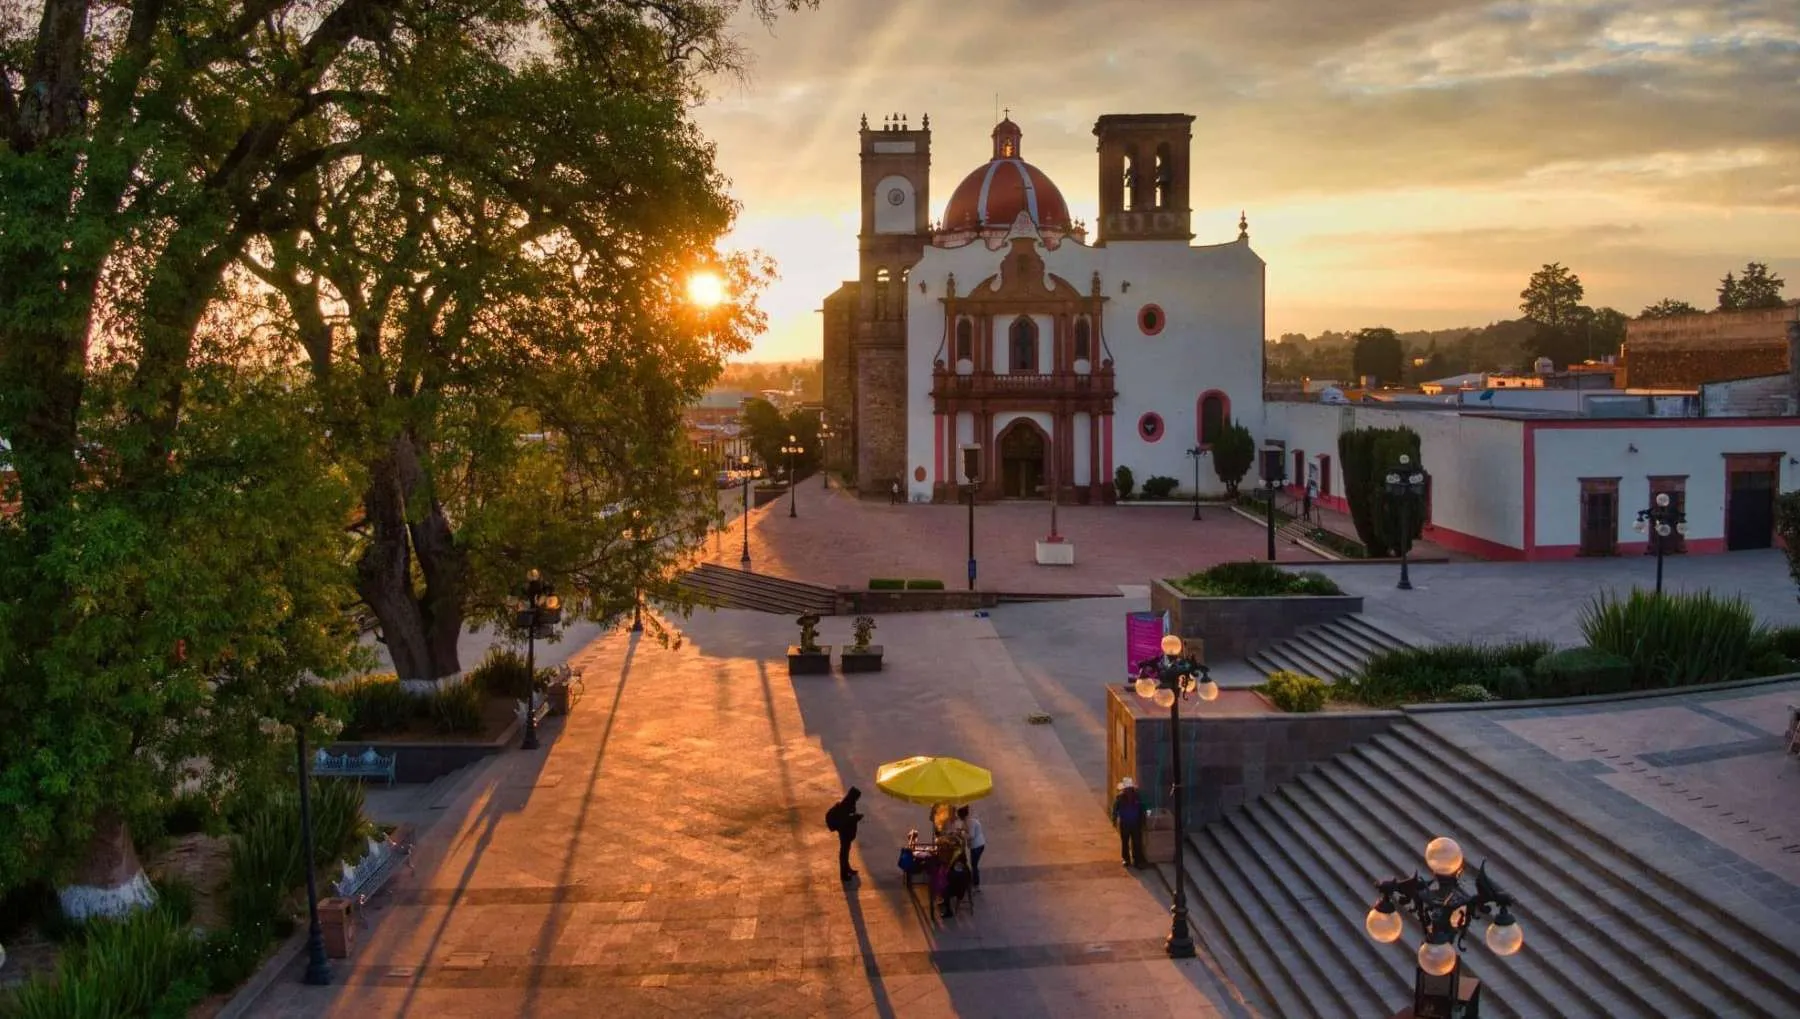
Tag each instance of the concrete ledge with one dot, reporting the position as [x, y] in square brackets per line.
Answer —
[1236, 627]
[851, 601]
[419, 761]
[1634, 695]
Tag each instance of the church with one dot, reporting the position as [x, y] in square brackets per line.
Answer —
[999, 328]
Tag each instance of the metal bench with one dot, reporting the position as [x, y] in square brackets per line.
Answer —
[368, 875]
[367, 764]
[542, 710]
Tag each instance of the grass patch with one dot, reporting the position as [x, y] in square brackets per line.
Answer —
[1420, 674]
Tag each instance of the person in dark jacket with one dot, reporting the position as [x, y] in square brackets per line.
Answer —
[1128, 814]
[842, 818]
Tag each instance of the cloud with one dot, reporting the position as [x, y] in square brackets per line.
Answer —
[1562, 121]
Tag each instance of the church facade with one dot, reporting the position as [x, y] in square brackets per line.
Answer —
[999, 328]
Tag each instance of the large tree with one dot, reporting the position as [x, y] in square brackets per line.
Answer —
[1551, 303]
[148, 155]
[1378, 354]
[1755, 287]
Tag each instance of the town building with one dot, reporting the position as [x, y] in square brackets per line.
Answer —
[999, 326]
[1690, 350]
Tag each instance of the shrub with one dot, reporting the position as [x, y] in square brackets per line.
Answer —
[127, 967]
[266, 849]
[887, 584]
[1160, 487]
[1233, 454]
[1580, 672]
[190, 812]
[373, 705]
[924, 585]
[502, 674]
[1295, 693]
[1365, 455]
[1675, 639]
[1419, 674]
[1469, 693]
[1773, 663]
[456, 708]
[1254, 579]
[1123, 482]
[1782, 640]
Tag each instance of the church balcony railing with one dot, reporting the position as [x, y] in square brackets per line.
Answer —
[947, 383]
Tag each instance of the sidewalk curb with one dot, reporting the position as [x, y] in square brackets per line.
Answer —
[259, 983]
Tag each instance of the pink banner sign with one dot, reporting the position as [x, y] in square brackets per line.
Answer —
[1143, 638]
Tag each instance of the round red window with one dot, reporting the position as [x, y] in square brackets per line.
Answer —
[1150, 427]
[1151, 319]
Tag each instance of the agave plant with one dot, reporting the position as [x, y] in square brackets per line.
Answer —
[1675, 639]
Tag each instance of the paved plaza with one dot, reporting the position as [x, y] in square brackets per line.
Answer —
[840, 539]
[665, 854]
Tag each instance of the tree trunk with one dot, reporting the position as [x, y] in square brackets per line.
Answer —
[110, 881]
[420, 629]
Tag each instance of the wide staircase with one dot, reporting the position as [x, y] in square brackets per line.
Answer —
[1331, 650]
[1279, 890]
[741, 589]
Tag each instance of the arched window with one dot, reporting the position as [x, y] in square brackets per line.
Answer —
[1132, 172]
[965, 340]
[1084, 340]
[1024, 345]
[1215, 413]
[1165, 177]
[882, 280]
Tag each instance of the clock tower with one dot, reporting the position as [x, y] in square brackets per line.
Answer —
[896, 199]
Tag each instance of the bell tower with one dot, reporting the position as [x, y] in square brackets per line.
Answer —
[1144, 161]
[896, 205]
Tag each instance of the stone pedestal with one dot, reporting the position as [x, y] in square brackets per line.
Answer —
[809, 663]
[866, 660]
[335, 925]
[1055, 553]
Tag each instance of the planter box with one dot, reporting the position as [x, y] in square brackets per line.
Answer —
[809, 663]
[1056, 553]
[1237, 627]
[862, 661]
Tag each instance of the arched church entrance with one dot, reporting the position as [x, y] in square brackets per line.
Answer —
[1023, 446]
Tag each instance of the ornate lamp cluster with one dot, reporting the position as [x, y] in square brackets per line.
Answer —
[1405, 483]
[1168, 680]
[1659, 521]
[536, 611]
[1444, 909]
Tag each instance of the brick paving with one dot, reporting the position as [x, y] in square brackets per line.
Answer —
[665, 854]
[838, 539]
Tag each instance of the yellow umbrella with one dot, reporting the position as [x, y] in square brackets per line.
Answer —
[934, 780]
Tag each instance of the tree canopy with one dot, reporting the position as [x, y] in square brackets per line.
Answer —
[1668, 307]
[1378, 354]
[1754, 287]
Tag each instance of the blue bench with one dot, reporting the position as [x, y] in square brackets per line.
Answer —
[367, 764]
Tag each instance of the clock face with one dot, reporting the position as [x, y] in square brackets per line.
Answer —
[896, 196]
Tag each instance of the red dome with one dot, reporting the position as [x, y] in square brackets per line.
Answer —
[995, 193]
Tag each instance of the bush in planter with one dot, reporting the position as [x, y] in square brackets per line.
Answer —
[1293, 692]
[1580, 672]
[142, 964]
[457, 708]
[924, 585]
[1123, 482]
[374, 704]
[887, 584]
[864, 628]
[1160, 487]
[1469, 693]
[1254, 579]
[502, 674]
[1421, 674]
[1675, 639]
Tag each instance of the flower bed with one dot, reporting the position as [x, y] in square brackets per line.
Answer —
[1236, 609]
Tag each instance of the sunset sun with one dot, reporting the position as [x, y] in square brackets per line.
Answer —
[706, 289]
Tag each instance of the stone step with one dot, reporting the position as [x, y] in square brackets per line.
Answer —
[1732, 958]
[1359, 632]
[1332, 650]
[746, 590]
[1248, 952]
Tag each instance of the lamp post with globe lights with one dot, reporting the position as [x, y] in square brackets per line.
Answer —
[1406, 483]
[1195, 454]
[1444, 908]
[1662, 519]
[1166, 680]
[792, 450]
[744, 480]
[537, 613]
[825, 436]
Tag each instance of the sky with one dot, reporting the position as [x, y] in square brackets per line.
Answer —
[1405, 163]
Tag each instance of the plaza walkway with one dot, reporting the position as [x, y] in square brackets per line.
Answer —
[840, 539]
[665, 854]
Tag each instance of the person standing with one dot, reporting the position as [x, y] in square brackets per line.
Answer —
[977, 843]
[1306, 499]
[894, 494]
[843, 818]
[1128, 814]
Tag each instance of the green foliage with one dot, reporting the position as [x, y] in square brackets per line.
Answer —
[374, 705]
[1233, 455]
[767, 431]
[1293, 692]
[119, 968]
[503, 673]
[1123, 482]
[1254, 578]
[1669, 307]
[886, 584]
[1781, 640]
[924, 585]
[456, 708]
[1469, 693]
[1417, 675]
[1377, 353]
[864, 629]
[1756, 287]
[1787, 524]
[266, 850]
[1677, 638]
[1366, 455]
[1580, 672]
[1552, 297]
[1159, 487]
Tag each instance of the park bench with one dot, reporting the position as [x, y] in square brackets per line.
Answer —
[367, 764]
[361, 880]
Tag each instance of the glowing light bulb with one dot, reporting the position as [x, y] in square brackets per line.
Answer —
[1164, 697]
[1146, 688]
[1662, 498]
[1443, 856]
[1505, 938]
[1171, 645]
[1437, 959]
[1207, 690]
[1383, 927]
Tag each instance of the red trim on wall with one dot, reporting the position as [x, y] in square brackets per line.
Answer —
[1200, 414]
[1162, 319]
[1614, 423]
[1106, 443]
[1457, 541]
[1161, 426]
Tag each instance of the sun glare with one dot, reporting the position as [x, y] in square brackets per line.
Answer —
[706, 289]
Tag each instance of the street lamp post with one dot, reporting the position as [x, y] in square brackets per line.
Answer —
[792, 450]
[971, 484]
[1444, 908]
[744, 479]
[1273, 473]
[825, 435]
[537, 612]
[1405, 483]
[318, 970]
[1660, 520]
[1166, 680]
[637, 592]
[1195, 454]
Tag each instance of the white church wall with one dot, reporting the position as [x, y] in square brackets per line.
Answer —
[891, 218]
[925, 343]
[1082, 426]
